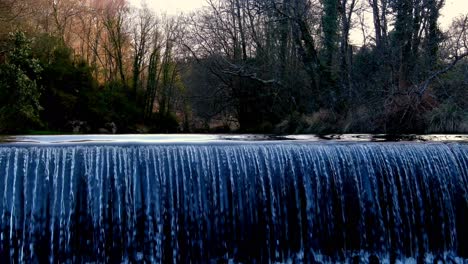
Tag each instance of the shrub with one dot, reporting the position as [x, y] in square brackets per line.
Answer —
[19, 91]
[447, 118]
[164, 123]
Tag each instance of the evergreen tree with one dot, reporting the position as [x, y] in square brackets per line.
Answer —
[19, 92]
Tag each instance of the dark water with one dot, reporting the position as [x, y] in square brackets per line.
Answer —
[238, 202]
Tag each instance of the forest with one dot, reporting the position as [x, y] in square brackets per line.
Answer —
[244, 66]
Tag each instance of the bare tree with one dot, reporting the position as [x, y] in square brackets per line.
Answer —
[380, 18]
[347, 9]
[143, 27]
[63, 13]
[114, 18]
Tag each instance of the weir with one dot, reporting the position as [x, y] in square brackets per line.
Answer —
[220, 201]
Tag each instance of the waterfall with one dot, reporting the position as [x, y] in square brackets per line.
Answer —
[239, 202]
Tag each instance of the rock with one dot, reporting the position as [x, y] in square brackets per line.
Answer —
[142, 129]
[111, 127]
[108, 128]
[78, 126]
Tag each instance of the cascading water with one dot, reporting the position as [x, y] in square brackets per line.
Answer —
[240, 202]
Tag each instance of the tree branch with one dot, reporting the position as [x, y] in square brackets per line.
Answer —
[425, 85]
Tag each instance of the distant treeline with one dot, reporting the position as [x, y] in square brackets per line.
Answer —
[260, 66]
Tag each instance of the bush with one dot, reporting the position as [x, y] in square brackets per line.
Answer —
[164, 123]
[111, 104]
[66, 83]
[447, 118]
[361, 120]
[320, 122]
[19, 92]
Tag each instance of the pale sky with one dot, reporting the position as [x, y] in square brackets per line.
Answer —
[171, 7]
[451, 9]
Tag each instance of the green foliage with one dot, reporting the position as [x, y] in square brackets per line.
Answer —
[447, 118]
[72, 93]
[43, 132]
[19, 91]
[330, 31]
[164, 123]
[299, 74]
[112, 103]
[66, 83]
[321, 122]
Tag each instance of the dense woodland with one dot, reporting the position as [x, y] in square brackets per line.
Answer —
[256, 66]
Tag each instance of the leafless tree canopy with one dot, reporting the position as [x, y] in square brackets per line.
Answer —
[260, 65]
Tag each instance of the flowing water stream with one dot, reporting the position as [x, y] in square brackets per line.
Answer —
[226, 201]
